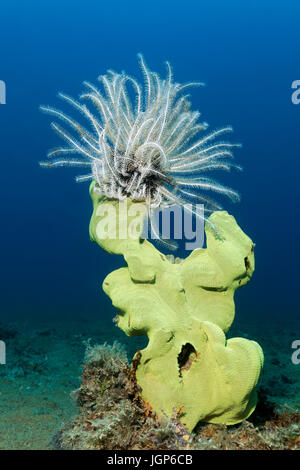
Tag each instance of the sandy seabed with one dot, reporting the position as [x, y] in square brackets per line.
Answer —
[44, 366]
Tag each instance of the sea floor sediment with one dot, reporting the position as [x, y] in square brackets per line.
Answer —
[45, 365]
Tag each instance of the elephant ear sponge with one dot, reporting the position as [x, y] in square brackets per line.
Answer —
[185, 310]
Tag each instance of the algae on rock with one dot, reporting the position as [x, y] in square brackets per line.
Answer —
[185, 309]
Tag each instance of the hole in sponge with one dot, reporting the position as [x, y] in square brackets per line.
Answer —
[247, 263]
[186, 357]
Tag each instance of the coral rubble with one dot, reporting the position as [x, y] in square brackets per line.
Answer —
[113, 416]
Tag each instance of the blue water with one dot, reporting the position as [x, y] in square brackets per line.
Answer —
[248, 55]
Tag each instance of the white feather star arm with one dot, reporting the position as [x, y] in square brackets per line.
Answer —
[143, 148]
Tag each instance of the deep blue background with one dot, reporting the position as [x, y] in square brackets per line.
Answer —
[248, 54]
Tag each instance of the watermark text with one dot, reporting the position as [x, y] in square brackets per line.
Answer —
[296, 94]
[296, 354]
[2, 92]
[2, 353]
[121, 221]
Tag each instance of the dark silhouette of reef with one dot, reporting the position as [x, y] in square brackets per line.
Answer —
[112, 416]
